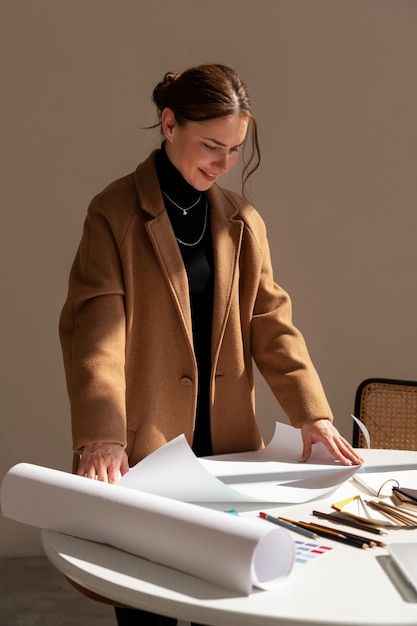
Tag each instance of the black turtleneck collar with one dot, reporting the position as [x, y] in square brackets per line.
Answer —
[172, 181]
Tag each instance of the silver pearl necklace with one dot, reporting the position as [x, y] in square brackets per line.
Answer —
[181, 208]
[190, 245]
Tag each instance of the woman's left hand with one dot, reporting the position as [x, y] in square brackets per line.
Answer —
[324, 431]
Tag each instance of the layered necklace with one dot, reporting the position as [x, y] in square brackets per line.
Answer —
[184, 211]
[195, 243]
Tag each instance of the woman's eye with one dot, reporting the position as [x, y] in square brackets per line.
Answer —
[211, 148]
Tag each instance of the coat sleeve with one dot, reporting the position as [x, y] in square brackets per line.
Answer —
[92, 334]
[278, 347]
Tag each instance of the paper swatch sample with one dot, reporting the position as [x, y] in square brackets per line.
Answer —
[307, 551]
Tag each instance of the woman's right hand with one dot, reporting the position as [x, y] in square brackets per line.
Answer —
[103, 461]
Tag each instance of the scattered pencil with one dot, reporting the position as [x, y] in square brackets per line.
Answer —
[371, 542]
[340, 518]
[289, 526]
[356, 541]
[314, 531]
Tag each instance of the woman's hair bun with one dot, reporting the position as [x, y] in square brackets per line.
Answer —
[159, 95]
[170, 77]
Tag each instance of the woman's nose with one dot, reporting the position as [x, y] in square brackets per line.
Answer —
[222, 163]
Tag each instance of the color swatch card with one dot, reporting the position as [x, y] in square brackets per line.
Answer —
[306, 551]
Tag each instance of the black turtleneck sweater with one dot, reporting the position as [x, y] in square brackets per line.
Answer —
[199, 265]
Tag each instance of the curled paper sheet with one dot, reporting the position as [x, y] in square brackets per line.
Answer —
[269, 475]
[230, 551]
[364, 430]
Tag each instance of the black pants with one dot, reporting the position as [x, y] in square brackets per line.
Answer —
[134, 617]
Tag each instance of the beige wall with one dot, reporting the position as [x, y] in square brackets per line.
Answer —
[334, 88]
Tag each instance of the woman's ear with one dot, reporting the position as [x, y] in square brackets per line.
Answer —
[168, 123]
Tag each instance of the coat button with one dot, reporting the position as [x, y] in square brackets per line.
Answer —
[186, 382]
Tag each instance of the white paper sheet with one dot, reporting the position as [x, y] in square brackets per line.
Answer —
[269, 475]
[364, 430]
[230, 551]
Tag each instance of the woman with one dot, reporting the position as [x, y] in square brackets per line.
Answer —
[171, 296]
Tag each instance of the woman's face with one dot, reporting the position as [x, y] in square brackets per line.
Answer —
[202, 151]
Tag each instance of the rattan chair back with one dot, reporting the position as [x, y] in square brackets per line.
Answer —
[388, 409]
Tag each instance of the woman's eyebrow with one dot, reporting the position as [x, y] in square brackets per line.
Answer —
[219, 143]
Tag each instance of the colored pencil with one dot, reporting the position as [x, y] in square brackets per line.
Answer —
[335, 535]
[340, 518]
[289, 526]
[371, 542]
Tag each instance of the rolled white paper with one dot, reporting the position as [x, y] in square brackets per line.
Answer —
[224, 549]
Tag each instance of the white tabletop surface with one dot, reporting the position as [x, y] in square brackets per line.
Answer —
[346, 587]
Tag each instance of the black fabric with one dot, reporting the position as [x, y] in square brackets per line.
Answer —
[199, 265]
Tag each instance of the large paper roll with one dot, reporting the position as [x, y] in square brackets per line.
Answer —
[231, 551]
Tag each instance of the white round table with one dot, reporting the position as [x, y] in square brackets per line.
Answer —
[346, 587]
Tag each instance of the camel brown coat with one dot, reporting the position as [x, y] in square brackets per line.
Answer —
[126, 329]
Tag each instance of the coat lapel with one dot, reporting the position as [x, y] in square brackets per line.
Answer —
[227, 237]
[163, 241]
[169, 257]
